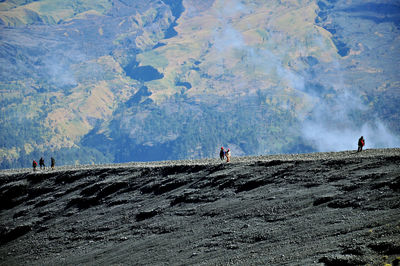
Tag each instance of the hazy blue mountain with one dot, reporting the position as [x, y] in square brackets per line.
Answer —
[118, 80]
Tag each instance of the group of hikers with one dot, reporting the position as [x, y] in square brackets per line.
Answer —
[225, 154]
[41, 164]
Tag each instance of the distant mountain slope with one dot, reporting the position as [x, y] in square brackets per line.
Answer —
[118, 81]
[327, 208]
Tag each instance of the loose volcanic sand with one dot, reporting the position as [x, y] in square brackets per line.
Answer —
[339, 208]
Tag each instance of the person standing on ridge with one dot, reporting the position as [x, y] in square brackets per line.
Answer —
[228, 155]
[53, 163]
[41, 163]
[361, 143]
[34, 164]
[222, 153]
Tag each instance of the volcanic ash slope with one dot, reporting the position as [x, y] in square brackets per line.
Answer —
[323, 208]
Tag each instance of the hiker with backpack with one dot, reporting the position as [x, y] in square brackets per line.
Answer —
[41, 163]
[222, 154]
[53, 163]
[361, 143]
[34, 164]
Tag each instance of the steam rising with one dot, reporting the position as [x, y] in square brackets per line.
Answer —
[60, 73]
[338, 139]
[331, 125]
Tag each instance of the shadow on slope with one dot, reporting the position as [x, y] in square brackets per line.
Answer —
[346, 209]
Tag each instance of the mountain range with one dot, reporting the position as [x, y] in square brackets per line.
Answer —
[116, 81]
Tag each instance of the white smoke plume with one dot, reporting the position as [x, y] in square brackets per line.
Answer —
[331, 126]
[338, 139]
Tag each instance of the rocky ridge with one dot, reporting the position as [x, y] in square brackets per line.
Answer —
[320, 208]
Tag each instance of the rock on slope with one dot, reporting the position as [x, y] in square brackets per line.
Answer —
[327, 208]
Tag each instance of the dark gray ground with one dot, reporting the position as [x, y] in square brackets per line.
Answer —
[322, 208]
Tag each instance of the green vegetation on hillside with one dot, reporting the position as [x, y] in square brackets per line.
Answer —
[181, 129]
[17, 13]
[112, 81]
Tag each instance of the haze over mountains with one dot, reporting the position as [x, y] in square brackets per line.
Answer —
[117, 81]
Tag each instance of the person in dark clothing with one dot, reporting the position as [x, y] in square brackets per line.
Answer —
[34, 164]
[361, 143]
[41, 163]
[53, 163]
[222, 154]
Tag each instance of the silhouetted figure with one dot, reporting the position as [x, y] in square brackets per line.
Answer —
[228, 155]
[222, 153]
[41, 163]
[361, 143]
[34, 164]
[53, 163]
